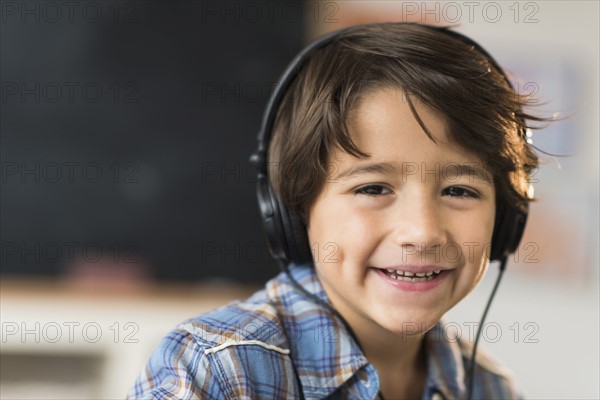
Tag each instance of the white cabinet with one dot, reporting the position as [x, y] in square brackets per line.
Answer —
[66, 341]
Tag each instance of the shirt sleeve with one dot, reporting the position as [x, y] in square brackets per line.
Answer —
[178, 369]
[495, 381]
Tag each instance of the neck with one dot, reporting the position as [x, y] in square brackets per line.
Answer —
[399, 358]
[393, 351]
[399, 361]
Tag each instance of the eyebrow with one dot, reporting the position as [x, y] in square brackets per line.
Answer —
[471, 170]
[361, 169]
[452, 170]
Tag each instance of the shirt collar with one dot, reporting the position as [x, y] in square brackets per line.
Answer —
[324, 353]
[445, 367]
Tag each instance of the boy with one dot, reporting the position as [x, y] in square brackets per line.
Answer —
[402, 158]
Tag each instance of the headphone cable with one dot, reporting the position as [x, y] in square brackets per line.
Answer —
[285, 269]
[479, 329]
[472, 365]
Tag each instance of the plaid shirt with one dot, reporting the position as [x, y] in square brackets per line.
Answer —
[278, 340]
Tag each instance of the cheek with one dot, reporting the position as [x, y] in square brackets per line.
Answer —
[337, 228]
[472, 237]
[476, 227]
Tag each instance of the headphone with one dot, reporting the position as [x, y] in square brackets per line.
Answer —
[287, 235]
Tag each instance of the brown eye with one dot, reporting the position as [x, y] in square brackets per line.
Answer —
[372, 190]
[455, 191]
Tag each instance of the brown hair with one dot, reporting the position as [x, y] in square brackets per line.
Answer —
[484, 114]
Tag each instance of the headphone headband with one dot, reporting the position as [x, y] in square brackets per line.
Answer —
[259, 157]
[286, 234]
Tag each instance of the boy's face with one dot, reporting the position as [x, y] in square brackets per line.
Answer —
[413, 206]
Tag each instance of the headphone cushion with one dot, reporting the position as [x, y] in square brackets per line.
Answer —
[295, 236]
[508, 231]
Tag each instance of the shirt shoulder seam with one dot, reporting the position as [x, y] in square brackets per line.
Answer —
[229, 343]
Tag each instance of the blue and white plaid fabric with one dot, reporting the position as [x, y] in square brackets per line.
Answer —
[278, 340]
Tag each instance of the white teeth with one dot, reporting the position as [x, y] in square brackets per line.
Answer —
[412, 280]
[408, 276]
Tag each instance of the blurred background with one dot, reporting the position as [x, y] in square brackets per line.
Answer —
[128, 204]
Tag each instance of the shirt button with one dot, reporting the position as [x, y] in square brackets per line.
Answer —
[364, 377]
[437, 396]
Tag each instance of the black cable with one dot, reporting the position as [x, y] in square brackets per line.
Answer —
[471, 374]
[285, 268]
[481, 322]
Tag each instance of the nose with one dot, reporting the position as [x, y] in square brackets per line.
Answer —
[419, 226]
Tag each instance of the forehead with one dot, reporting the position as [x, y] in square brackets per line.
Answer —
[387, 111]
[383, 125]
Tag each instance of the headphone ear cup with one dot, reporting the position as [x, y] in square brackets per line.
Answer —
[286, 234]
[271, 217]
[295, 236]
[508, 232]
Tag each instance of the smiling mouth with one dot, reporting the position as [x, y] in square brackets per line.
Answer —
[407, 276]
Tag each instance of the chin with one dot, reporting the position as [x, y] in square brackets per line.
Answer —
[409, 325]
